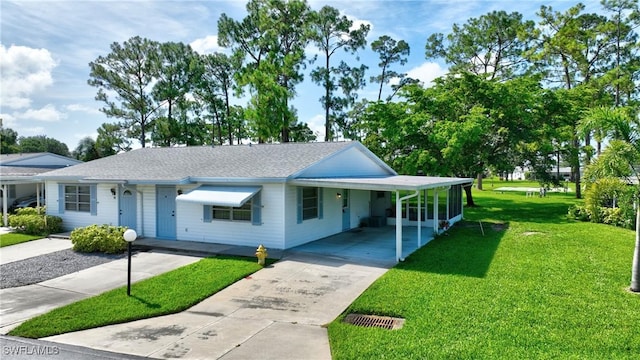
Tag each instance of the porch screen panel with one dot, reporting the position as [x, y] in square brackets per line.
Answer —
[455, 201]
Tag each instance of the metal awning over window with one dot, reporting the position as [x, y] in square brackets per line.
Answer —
[234, 196]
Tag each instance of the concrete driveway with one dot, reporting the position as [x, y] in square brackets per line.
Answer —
[277, 313]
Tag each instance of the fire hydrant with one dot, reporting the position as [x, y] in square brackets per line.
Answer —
[261, 254]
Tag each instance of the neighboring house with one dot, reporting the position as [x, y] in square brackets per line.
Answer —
[278, 195]
[18, 172]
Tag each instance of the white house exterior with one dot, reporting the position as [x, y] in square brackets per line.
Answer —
[278, 195]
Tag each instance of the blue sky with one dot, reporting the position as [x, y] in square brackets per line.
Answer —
[46, 46]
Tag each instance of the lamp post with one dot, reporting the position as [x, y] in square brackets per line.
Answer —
[129, 236]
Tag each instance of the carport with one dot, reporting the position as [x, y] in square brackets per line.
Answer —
[404, 188]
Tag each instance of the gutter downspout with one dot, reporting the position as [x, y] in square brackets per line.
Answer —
[141, 212]
[399, 222]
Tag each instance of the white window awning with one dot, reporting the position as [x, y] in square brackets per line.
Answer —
[234, 196]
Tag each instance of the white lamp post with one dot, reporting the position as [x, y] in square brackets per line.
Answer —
[129, 236]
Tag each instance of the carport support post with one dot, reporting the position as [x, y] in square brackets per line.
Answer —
[398, 226]
[399, 221]
[419, 219]
[436, 230]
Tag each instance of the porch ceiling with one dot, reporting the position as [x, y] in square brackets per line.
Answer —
[390, 183]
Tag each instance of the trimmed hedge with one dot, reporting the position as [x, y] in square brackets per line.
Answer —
[33, 221]
[99, 238]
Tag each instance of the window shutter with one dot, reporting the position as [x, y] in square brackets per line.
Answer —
[93, 191]
[60, 198]
[206, 213]
[320, 202]
[256, 209]
[299, 202]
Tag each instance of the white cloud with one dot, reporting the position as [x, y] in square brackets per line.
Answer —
[82, 108]
[427, 72]
[316, 124]
[207, 45]
[48, 113]
[32, 131]
[24, 71]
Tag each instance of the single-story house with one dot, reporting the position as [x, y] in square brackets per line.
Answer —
[18, 172]
[278, 195]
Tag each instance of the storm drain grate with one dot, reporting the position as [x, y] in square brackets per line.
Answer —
[385, 322]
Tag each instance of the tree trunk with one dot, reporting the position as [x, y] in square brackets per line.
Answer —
[635, 267]
[479, 181]
[467, 192]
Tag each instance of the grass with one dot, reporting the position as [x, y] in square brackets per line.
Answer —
[14, 238]
[536, 286]
[168, 293]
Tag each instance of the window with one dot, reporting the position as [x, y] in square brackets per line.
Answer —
[242, 213]
[309, 203]
[77, 198]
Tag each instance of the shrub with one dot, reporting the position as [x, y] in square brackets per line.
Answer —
[33, 221]
[579, 212]
[99, 238]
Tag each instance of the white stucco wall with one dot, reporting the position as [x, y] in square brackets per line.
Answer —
[191, 227]
[330, 224]
[107, 208]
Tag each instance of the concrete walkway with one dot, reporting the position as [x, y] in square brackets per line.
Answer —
[32, 248]
[277, 313]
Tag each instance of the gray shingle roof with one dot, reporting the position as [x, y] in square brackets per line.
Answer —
[258, 161]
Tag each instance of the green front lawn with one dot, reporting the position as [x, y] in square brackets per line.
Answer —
[168, 293]
[535, 286]
[14, 238]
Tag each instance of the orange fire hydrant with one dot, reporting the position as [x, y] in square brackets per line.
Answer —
[261, 254]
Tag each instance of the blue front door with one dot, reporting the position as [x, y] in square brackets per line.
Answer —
[166, 212]
[128, 207]
[346, 211]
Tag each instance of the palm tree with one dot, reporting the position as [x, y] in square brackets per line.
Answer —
[620, 159]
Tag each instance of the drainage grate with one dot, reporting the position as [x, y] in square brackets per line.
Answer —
[385, 322]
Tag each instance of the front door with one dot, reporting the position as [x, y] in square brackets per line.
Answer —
[346, 211]
[128, 207]
[166, 212]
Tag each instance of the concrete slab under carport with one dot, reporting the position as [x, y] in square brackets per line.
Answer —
[369, 245]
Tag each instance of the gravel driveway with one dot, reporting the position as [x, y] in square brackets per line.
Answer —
[45, 267]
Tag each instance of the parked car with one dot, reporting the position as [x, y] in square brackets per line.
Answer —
[26, 201]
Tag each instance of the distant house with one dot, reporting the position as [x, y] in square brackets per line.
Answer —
[18, 175]
[279, 195]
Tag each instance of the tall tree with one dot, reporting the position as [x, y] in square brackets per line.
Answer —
[86, 150]
[572, 52]
[491, 45]
[112, 139]
[272, 39]
[214, 92]
[42, 143]
[624, 19]
[179, 70]
[330, 33]
[125, 78]
[390, 52]
[8, 141]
